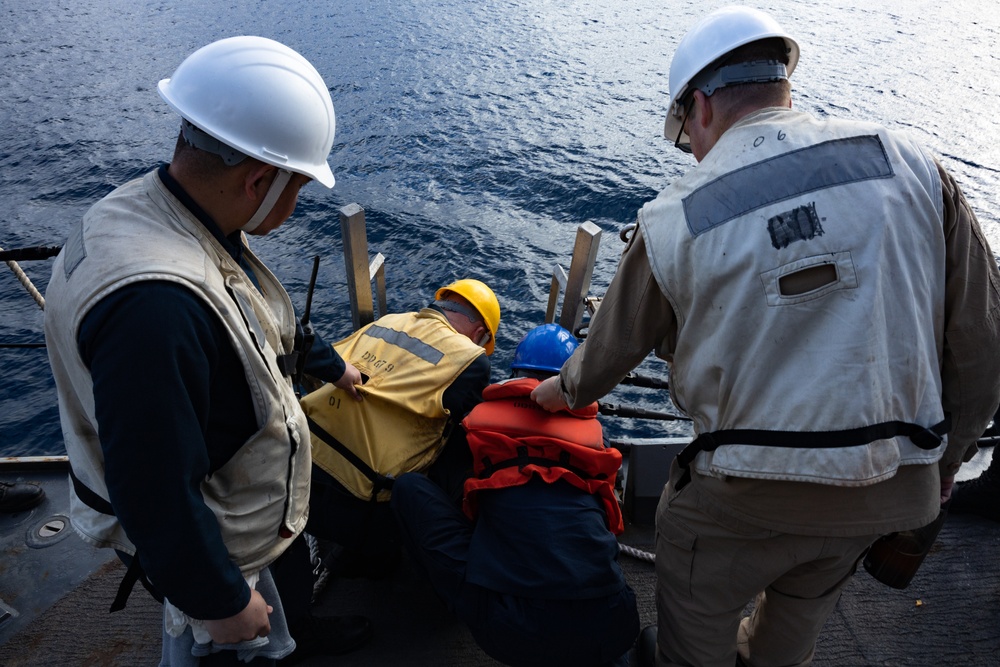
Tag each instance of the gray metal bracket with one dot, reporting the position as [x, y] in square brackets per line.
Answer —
[361, 271]
[575, 284]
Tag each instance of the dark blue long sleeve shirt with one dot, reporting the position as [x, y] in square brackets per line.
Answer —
[545, 541]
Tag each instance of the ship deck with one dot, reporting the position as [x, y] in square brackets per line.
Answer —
[948, 616]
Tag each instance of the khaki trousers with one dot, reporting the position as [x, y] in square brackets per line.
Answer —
[709, 568]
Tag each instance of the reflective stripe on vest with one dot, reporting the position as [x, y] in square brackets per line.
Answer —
[410, 359]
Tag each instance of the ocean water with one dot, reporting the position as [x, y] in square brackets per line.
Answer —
[477, 136]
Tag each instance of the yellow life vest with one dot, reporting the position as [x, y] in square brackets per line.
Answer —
[409, 360]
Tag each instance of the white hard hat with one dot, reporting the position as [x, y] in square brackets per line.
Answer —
[711, 38]
[260, 97]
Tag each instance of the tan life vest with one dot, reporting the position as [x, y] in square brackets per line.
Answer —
[410, 359]
[141, 232]
[836, 385]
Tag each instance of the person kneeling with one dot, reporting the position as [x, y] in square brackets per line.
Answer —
[531, 564]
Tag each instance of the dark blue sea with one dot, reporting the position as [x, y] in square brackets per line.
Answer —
[477, 135]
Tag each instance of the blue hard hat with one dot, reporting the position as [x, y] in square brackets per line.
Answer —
[544, 348]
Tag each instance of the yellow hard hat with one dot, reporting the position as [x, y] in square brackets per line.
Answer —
[482, 299]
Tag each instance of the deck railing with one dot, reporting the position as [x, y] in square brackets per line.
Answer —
[575, 284]
[360, 270]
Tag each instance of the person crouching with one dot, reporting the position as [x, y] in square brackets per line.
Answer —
[530, 563]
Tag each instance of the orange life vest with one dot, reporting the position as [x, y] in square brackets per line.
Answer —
[513, 440]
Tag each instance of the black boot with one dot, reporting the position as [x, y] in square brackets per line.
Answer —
[645, 647]
[980, 495]
[20, 496]
[327, 635]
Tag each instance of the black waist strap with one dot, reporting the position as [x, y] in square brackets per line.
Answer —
[379, 481]
[522, 459]
[135, 572]
[921, 436]
[89, 497]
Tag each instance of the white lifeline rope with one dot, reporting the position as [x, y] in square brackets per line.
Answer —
[26, 282]
[637, 553]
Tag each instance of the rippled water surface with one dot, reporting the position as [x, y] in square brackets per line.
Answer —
[476, 135]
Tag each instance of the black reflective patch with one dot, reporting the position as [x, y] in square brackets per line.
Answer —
[785, 176]
[416, 347]
[799, 224]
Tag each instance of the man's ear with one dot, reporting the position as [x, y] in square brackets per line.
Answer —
[704, 115]
[257, 181]
[481, 336]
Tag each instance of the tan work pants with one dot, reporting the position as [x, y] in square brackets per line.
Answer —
[708, 569]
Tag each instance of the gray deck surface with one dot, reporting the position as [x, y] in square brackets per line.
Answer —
[950, 615]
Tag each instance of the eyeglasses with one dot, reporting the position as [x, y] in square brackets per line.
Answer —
[686, 146]
[473, 316]
[459, 308]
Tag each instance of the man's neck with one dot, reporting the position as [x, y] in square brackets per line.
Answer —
[230, 242]
[217, 196]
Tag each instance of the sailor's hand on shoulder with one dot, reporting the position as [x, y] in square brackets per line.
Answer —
[548, 394]
[249, 624]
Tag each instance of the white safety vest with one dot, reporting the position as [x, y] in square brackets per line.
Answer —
[142, 232]
[813, 386]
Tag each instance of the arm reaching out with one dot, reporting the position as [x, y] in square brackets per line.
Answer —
[548, 394]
